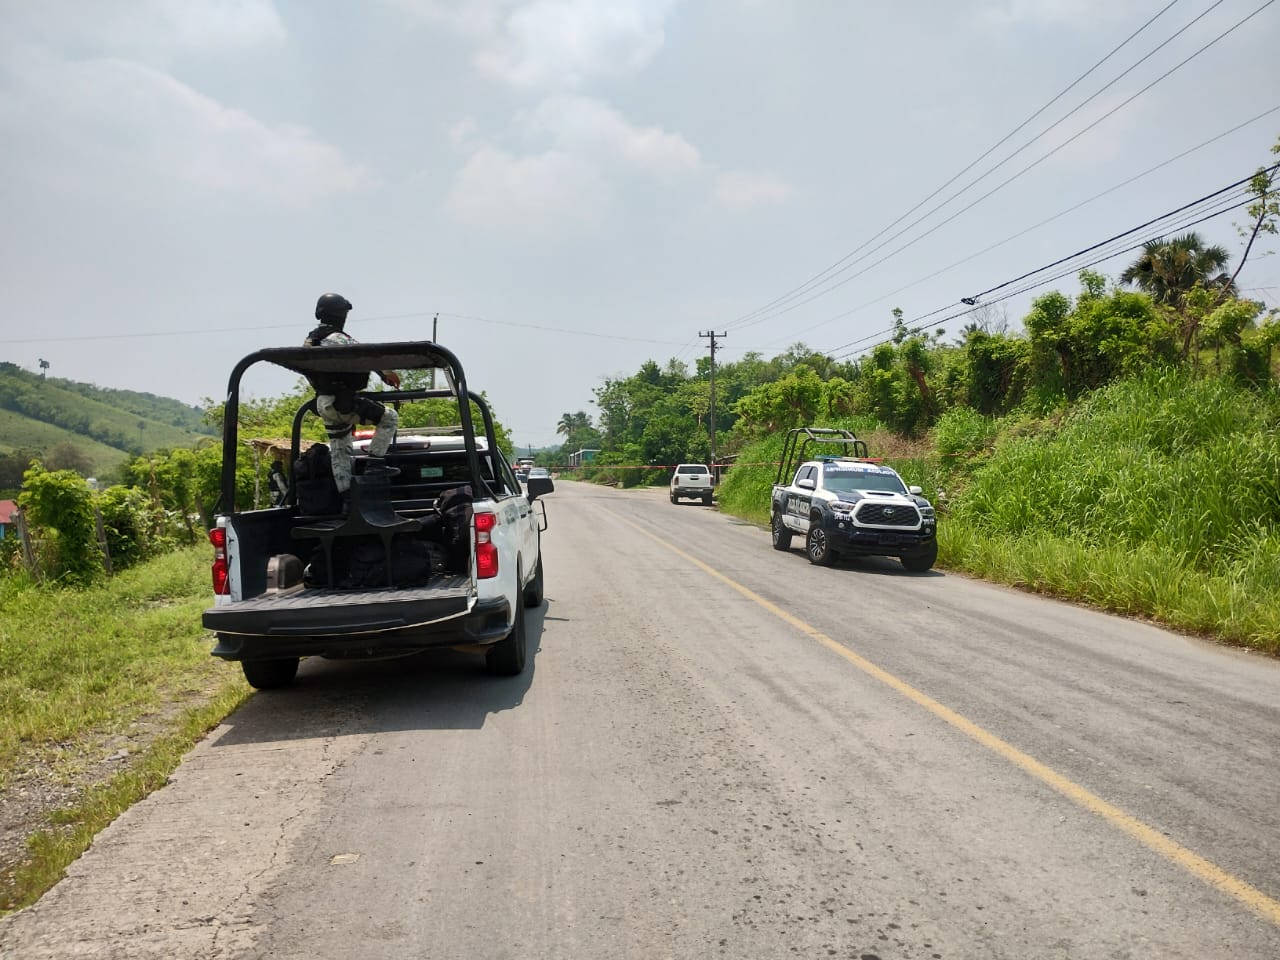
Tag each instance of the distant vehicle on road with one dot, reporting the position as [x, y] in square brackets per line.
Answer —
[692, 481]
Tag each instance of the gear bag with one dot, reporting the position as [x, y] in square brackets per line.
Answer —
[314, 484]
[454, 506]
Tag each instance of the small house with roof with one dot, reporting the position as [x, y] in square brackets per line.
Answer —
[7, 519]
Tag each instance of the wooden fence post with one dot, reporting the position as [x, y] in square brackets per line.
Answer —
[102, 539]
[28, 555]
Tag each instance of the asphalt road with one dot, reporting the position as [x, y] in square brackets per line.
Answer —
[718, 751]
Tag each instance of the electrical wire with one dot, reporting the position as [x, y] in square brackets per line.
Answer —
[1033, 227]
[1008, 136]
[1143, 226]
[1234, 203]
[294, 326]
[847, 279]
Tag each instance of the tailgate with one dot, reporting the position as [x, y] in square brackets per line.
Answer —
[333, 612]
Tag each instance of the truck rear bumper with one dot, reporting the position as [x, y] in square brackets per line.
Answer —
[343, 623]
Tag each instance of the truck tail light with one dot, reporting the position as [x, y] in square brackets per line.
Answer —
[221, 581]
[486, 550]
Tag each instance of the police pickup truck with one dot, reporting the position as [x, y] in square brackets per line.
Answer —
[438, 545]
[842, 503]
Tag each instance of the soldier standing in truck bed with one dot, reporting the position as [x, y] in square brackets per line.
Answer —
[337, 402]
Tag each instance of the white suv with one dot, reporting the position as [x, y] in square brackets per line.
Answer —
[692, 480]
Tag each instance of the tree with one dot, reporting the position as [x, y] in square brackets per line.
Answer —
[1169, 269]
[58, 506]
[67, 456]
[1264, 211]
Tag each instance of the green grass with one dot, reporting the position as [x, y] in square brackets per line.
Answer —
[98, 658]
[73, 828]
[1157, 497]
[18, 431]
[83, 665]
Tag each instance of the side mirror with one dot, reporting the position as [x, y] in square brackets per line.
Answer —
[917, 491]
[806, 484]
[538, 486]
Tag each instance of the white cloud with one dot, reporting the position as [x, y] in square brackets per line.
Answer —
[553, 44]
[232, 24]
[546, 191]
[462, 133]
[146, 125]
[563, 43]
[150, 30]
[582, 152]
[1084, 14]
[591, 127]
[742, 189]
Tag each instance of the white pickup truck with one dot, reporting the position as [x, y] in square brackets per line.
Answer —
[691, 480]
[442, 549]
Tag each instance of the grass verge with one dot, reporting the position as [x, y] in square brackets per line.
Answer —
[103, 690]
[72, 829]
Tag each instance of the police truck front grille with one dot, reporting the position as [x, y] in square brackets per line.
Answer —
[888, 515]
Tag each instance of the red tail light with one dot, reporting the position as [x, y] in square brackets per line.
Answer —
[221, 584]
[486, 550]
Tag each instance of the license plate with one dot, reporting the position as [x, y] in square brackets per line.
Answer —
[888, 538]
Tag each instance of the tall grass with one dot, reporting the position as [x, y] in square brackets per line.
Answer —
[94, 660]
[1157, 496]
[81, 665]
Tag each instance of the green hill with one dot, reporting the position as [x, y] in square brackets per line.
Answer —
[106, 426]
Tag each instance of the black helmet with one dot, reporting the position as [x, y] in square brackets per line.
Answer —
[332, 308]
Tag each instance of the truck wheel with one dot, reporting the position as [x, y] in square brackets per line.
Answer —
[506, 657]
[781, 535]
[818, 547]
[533, 592]
[270, 674]
[706, 499]
[922, 560]
[674, 498]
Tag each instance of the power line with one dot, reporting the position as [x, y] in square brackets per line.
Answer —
[834, 286]
[1036, 226]
[294, 326]
[796, 291]
[1143, 226]
[1232, 203]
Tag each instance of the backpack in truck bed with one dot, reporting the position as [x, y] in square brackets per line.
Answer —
[454, 531]
[313, 483]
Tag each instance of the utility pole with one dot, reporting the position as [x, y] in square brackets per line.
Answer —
[711, 334]
[434, 321]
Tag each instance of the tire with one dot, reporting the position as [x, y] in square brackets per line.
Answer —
[674, 498]
[506, 658]
[270, 674]
[921, 560]
[817, 547]
[533, 591]
[781, 535]
[706, 499]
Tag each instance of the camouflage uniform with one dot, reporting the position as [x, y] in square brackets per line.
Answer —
[340, 409]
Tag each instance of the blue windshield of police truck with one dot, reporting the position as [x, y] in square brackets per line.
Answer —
[847, 477]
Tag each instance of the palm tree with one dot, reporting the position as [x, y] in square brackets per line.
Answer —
[571, 423]
[1168, 269]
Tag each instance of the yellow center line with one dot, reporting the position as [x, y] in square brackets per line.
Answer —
[1148, 836]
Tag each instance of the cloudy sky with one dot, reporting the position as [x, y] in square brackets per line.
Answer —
[576, 186]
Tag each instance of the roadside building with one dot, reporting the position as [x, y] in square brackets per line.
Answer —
[7, 510]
